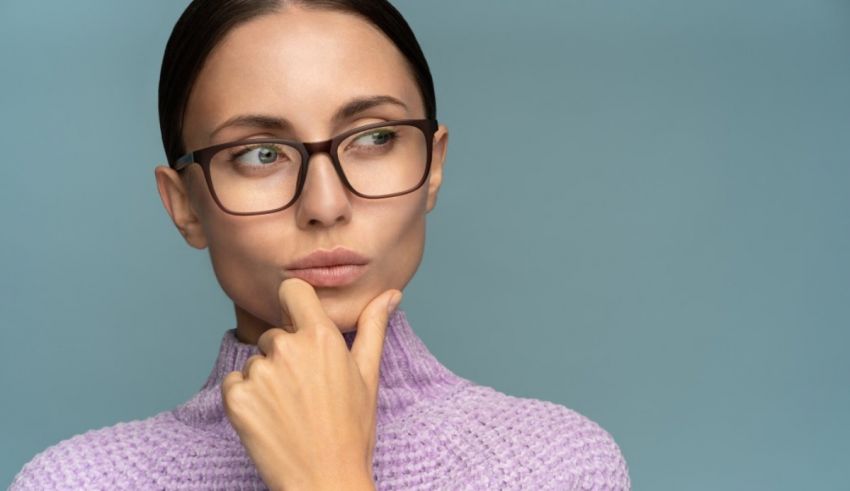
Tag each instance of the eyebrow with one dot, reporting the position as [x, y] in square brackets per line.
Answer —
[349, 109]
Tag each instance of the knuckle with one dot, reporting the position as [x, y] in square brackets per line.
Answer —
[252, 359]
[252, 364]
[229, 381]
[261, 369]
[236, 396]
[269, 333]
[279, 344]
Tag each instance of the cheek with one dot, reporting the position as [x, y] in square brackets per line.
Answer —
[242, 248]
[396, 238]
[403, 251]
[245, 254]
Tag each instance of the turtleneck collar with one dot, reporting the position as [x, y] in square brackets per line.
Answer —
[409, 373]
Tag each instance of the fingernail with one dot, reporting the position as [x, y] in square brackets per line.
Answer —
[393, 303]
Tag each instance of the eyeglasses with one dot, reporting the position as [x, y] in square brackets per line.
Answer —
[266, 175]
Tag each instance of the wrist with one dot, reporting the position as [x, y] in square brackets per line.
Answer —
[352, 482]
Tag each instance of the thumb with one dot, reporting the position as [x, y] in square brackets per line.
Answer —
[371, 331]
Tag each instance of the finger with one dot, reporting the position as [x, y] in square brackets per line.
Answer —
[299, 302]
[229, 381]
[246, 368]
[371, 331]
[266, 343]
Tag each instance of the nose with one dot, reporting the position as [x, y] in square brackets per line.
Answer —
[324, 200]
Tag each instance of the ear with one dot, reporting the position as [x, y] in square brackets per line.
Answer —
[175, 198]
[438, 157]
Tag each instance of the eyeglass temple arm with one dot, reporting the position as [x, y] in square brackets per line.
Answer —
[183, 161]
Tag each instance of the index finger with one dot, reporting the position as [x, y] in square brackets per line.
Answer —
[299, 302]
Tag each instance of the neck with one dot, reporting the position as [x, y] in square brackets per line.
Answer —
[248, 326]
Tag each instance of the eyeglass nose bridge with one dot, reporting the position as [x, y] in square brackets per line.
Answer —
[313, 148]
[309, 149]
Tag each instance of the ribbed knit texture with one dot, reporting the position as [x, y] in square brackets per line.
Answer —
[435, 430]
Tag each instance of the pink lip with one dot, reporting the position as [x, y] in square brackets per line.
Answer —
[336, 267]
[329, 276]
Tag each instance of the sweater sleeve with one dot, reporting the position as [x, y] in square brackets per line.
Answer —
[117, 457]
[504, 442]
[587, 457]
[66, 465]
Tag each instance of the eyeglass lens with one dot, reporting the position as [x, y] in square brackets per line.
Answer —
[259, 177]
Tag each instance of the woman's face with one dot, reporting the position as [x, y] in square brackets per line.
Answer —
[302, 66]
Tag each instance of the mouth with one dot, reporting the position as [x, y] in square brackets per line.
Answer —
[329, 276]
[328, 268]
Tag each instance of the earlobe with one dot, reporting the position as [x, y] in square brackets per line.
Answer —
[438, 158]
[175, 199]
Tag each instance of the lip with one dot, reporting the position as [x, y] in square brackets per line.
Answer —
[321, 258]
[325, 268]
[329, 276]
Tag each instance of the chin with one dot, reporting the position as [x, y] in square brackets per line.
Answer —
[345, 313]
[345, 320]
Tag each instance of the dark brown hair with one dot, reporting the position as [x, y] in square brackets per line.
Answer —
[205, 22]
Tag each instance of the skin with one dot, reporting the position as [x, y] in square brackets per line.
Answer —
[317, 430]
[303, 65]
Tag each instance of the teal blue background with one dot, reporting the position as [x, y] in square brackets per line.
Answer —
[644, 217]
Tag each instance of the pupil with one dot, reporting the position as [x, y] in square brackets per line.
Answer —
[266, 155]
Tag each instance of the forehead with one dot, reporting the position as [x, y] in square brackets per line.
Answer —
[301, 65]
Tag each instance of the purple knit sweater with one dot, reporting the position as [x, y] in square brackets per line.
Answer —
[435, 430]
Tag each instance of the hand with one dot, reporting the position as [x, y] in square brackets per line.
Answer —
[305, 408]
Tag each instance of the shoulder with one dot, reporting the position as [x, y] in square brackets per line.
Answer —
[121, 456]
[538, 442]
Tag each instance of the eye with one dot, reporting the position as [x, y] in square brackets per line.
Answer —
[375, 138]
[258, 155]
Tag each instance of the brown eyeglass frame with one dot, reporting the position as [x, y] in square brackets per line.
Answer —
[203, 156]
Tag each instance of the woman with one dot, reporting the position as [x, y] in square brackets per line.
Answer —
[304, 153]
